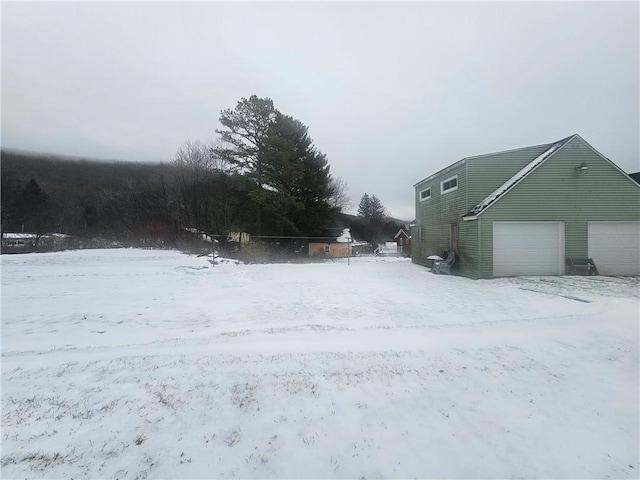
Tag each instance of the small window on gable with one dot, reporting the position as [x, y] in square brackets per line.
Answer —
[449, 185]
[425, 194]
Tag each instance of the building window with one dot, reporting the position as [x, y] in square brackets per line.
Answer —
[449, 185]
[326, 249]
[425, 194]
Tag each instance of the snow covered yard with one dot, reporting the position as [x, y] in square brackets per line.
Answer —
[145, 364]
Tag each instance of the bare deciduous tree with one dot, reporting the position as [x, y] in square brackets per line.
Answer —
[340, 199]
[195, 159]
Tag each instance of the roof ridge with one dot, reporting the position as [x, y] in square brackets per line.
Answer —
[490, 154]
[508, 151]
[521, 148]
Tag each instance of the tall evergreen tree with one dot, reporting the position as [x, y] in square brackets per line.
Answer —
[371, 208]
[292, 178]
[373, 215]
[364, 206]
[298, 175]
[243, 142]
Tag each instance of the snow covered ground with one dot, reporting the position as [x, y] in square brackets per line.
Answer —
[145, 364]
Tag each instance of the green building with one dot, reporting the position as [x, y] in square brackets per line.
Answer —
[528, 211]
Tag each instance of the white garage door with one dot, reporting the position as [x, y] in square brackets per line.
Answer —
[528, 248]
[615, 247]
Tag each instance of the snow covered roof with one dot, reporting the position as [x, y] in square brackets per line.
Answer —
[513, 181]
[17, 236]
[400, 232]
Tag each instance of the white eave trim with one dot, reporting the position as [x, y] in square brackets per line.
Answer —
[608, 160]
[442, 171]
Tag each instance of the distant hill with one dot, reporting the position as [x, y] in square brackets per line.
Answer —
[42, 192]
[84, 196]
[58, 170]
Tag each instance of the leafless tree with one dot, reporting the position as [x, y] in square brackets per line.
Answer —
[340, 198]
[195, 159]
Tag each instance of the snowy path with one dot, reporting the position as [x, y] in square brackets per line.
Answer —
[143, 364]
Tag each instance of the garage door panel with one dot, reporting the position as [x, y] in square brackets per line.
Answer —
[615, 247]
[527, 248]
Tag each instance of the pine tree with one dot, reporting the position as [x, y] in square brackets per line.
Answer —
[292, 178]
[298, 176]
[243, 143]
[364, 206]
[377, 212]
[373, 215]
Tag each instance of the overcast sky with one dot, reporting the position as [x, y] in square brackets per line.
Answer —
[390, 91]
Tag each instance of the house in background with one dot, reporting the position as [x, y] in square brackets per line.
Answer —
[32, 242]
[403, 239]
[527, 211]
[330, 243]
[334, 249]
[328, 248]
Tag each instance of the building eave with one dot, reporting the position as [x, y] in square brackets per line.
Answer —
[440, 172]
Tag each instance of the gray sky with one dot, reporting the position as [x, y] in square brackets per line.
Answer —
[391, 92]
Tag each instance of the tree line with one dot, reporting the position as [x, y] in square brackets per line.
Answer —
[262, 175]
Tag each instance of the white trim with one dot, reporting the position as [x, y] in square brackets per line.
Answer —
[522, 174]
[451, 189]
[607, 160]
[402, 230]
[420, 194]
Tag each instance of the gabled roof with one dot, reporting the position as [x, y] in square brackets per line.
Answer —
[475, 157]
[518, 177]
[400, 232]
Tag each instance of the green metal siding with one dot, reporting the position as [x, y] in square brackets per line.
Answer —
[477, 178]
[468, 249]
[488, 173]
[556, 191]
[436, 214]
